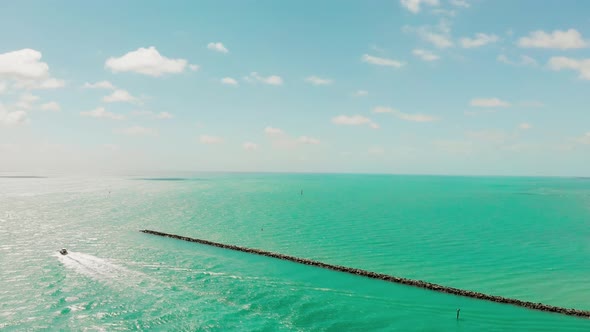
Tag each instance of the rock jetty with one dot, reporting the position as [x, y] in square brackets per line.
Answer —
[386, 277]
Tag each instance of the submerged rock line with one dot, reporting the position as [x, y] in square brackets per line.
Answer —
[386, 277]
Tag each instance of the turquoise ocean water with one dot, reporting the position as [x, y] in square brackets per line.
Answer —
[527, 238]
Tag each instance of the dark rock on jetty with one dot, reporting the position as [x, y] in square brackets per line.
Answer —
[385, 277]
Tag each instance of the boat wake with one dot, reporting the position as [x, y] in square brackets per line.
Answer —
[100, 269]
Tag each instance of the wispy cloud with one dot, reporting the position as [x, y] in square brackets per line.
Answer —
[271, 131]
[315, 80]
[101, 113]
[361, 93]
[270, 80]
[99, 85]
[229, 81]
[382, 61]
[581, 66]
[525, 60]
[558, 39]
[488, 102]
[439, 35]
[415, 6]
[308, 140]
[460, 3]
[119, 96]
[354, 120]
[138, 131]
[405, 116]
[479, 40]
[425, 55]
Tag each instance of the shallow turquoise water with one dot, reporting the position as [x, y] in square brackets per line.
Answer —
[526, 238]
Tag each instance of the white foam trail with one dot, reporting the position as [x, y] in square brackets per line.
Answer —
[99, 268]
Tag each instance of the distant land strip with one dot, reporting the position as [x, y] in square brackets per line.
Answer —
[386, 277]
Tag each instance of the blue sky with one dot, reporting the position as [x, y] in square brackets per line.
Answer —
[413, 86]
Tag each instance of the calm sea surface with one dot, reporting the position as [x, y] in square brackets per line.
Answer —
[526, 238]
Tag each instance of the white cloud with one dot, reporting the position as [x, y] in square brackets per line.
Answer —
[250, 146]
[44, 84]
[480, 39]
[229, 81]
[382, 61]
[27, 70]
[270, 80]
[138, 131]
[383, 109]
[99, 85]
[119, 96]
[147, 61]
[405, 116]
[207, 139]
[50, 106]
[164, 116]
[318, 80]
[460, 3]
[217, 47]
[525, 126]
[563, 40]
[415, 5]
[26, 101]
[581, 66]
[525, 60]
[488, 102]
[308, 140]
[361, 93]
[425, 55]
[271, 131]
[101, 113]
[439, 35]
[414, 117]
[193, 67]
[23, 64]
[354, 120]
[438, 40]
[14, 118]
[3, 87]
[50, 83]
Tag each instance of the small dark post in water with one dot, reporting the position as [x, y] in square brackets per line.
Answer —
[458, 311]
[301, 192]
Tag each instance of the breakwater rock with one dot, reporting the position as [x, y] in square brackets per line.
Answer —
[386, 277]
